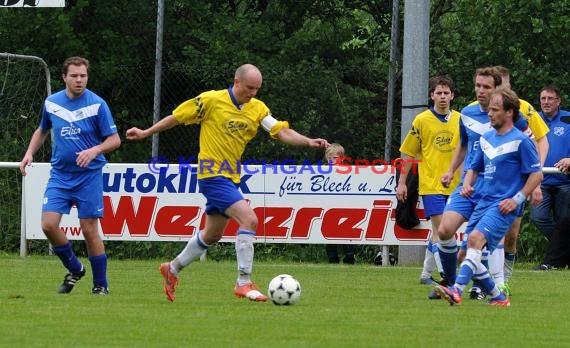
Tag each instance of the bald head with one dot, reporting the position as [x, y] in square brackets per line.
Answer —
[247, 82]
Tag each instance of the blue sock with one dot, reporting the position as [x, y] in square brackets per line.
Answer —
[68, 258]
[448, 256]
[99, 268]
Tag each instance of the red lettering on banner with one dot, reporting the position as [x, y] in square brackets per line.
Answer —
[73, 230]
[303, 222]
[175, 221]
[413, 234]
[378, 219]
[342, 222]
[271, 221]
[137, 221]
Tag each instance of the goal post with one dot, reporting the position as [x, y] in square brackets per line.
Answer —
[25, 82]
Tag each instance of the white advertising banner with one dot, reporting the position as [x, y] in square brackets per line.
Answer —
[32, 3]
[294, 204]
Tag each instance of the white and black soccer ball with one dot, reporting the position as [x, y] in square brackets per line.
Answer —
[284, 290]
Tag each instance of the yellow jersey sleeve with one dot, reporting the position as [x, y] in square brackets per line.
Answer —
[535, 122]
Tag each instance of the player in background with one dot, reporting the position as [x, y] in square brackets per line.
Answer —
[474, 122]
[83, 130]
[555, 187]
[432, 138]
[506, 260]
[228, 120]
[511, 170]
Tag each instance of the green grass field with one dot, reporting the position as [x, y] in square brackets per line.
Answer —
[341, 306]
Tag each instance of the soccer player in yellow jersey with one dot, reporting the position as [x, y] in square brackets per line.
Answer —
[432, 138]
[229, 119]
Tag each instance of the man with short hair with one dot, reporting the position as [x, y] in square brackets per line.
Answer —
[83, 130]
[555, 187]
[228, 120]
[474, 122]
[511, 170]
[432, 138]
[507, 256]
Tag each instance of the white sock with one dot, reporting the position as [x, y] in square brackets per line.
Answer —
[509, 265]
[193, 250]
[244, 254]
[429, 262]
[436, 258]
[496, 265]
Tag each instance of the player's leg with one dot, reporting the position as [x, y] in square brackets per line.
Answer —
[433, 207]
[245, 216]
[96, 254]
[450, 223]
[88, 196]
[57, 202]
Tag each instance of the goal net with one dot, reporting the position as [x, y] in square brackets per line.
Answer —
[24, 84]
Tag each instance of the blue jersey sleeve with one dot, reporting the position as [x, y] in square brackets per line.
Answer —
[522, 124]
[529, 157]
[463, 137]
[105, 121]
[477, 162]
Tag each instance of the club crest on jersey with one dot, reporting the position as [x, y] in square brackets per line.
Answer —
[443, 140]
[559, 131]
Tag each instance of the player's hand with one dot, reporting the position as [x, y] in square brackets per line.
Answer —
[402, 192]
[135, 134]
[536, 196]
[563, 165]
[86, 156]
[26, 161]
[466, 190]
[507, 206]
[318, 142]
[446, 179]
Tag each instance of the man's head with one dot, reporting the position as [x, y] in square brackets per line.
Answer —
[505, 76]
[247, 81]
[550, 100]
[75, 74]
[503, 108]
[442, 92]
[486, 80]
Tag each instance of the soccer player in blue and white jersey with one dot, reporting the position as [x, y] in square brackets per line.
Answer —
[473, 123]
[228, 120]
[83, 130]
[511, 170]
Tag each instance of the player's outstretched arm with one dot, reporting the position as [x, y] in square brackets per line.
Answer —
[36, 142]
[291, 137]
[162, 125]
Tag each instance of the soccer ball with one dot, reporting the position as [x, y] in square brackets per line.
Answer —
[284, 290]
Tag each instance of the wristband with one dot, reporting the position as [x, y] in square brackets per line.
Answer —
[519, 198]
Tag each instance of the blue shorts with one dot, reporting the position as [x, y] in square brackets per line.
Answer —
[434, 204]
[492, 223]
[220, 193]
[463, 205]
[84, 190]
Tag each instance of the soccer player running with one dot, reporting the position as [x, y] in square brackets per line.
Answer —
[229, 119]
[511, 170]
[473, 123]
[82, 130]
[504, 261]
[433, 137]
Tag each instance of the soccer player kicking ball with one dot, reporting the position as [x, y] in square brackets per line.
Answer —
[509, 161]
[229, 119]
